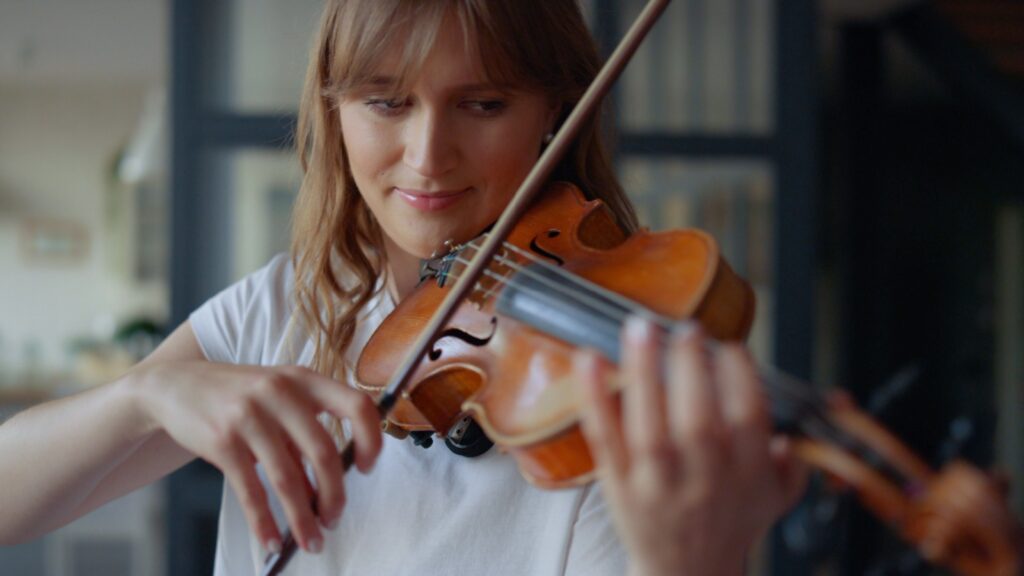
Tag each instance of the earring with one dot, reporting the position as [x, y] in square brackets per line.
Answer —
[549, 137]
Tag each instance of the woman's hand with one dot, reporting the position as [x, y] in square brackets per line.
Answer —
[689, 467]
[237, 416]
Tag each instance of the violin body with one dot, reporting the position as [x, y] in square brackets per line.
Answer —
[566, 278]
[506, 357]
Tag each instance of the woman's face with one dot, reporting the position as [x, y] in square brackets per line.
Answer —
[442, 162]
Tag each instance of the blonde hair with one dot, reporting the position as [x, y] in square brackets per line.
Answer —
[535, 44]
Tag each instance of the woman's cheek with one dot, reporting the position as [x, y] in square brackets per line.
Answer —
[364, 143]
[509, 162]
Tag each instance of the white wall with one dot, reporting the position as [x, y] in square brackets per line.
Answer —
[82, 41]
[270, 42]
[55, 144]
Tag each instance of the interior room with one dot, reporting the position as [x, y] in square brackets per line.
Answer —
[858, 164]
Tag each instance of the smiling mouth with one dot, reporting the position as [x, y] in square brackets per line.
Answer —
[431, 201]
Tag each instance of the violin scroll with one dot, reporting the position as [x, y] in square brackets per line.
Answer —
[962, 521]
[956, 517]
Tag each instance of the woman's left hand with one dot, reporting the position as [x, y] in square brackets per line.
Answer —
[689, 465]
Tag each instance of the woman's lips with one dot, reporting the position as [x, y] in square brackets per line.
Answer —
[431, 201]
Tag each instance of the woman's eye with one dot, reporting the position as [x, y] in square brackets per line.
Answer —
[386, 106]
[485, 107]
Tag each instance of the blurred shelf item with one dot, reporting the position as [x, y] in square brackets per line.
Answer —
[16, 399]
[100, 365]
[24, 396]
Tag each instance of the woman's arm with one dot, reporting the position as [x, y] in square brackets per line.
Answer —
[67, 457]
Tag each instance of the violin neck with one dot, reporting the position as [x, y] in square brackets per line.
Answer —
[567, 314]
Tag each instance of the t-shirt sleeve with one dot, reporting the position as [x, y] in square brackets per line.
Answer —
[235, 326]
[595, 548]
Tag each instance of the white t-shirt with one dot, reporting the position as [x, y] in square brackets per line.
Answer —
[420, 511]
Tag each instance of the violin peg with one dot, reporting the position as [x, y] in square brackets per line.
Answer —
[393, 430]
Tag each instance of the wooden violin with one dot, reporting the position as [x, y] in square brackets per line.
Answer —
[567, 277]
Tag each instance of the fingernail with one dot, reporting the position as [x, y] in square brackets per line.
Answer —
[332, 523]
[684, 329]
[316, 545]
[273, 546]
[638, 328]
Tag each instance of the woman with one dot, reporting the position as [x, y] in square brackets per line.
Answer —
[418, 122]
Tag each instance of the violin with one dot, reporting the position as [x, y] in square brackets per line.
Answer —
[489, 331]
[567, 277]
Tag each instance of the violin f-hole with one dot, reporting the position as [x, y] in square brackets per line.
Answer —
[535, 247]
[466, 337]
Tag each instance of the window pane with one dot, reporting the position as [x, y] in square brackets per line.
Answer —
[588, 8]
[730, 199]
[266, 184]
[705, 67]
[258, 51]
[258, 187]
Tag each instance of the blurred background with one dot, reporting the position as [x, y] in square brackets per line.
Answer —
[860, 162]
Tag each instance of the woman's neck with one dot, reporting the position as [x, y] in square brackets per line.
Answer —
[403, 272]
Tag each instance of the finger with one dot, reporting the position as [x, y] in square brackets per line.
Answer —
[938, 538]
[974, 492]
[839, 399]
[345, 402]
[792, 473]
[644, 420]
[696, 420]
[744, 411]
[601, 420]
[314, 444]
[654, 460]
[238, 466]
[296, 456]
[265, 438]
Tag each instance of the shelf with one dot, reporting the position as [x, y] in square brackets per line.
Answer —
[24, 396]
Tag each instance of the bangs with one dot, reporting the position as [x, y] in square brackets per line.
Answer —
[370, 36]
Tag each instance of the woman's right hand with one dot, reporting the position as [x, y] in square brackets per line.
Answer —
[237, 416]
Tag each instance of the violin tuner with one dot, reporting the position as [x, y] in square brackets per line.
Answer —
[423, 439]
[467, 438]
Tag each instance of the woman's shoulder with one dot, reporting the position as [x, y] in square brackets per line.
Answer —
[239, 323]
[267, 290]
[276, 281]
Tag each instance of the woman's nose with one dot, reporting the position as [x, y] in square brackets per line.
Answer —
[431, 148]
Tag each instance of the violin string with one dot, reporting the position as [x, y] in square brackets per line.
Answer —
[502, 278]
[804, 390]
[590, 287]
[585, 296]
[812, 421]
[587, 288]
[585, 285]
[790, 388]
[794, 389]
